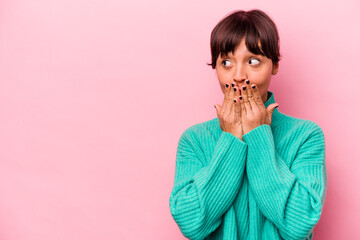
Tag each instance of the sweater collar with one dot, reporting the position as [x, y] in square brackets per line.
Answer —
[270, 99]
[277, 116]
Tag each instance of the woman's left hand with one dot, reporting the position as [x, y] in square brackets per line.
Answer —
[253, 109]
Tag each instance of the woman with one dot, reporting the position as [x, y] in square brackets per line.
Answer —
[252, 172]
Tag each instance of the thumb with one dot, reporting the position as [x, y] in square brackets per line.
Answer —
[270, 109]
[218, 108]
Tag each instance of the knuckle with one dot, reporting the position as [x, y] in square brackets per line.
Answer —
[227, 98]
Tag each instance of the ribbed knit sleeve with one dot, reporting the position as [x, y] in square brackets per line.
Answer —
[293, 198]
[202, 194]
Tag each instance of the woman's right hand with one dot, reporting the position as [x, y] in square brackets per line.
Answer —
[229, 113]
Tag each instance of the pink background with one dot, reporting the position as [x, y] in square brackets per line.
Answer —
[95, 95]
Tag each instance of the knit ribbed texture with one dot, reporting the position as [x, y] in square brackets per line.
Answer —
[270, 185]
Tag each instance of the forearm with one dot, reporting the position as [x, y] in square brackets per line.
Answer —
[198, 201]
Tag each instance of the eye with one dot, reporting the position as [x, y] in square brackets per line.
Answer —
[255, 61]
[224, 63]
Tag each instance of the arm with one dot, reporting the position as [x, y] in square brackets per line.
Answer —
[293, 198]
[202, 194]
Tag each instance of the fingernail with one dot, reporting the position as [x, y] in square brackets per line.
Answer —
[232, 85]
[227, 85]
[248, 81]
[253, 86]
[234, 100]
[244, 87]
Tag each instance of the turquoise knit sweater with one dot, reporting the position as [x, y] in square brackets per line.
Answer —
[271, 185]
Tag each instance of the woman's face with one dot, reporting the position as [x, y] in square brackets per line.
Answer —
[245, 65]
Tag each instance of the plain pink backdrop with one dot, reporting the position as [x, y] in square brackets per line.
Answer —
[94, 96]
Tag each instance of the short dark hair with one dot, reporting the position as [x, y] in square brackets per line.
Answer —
[251, 25]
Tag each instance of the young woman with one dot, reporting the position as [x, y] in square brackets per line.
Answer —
[252, 172]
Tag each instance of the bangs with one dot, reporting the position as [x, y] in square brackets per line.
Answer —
[231, 36]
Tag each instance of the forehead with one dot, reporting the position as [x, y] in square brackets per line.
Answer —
[241, 49]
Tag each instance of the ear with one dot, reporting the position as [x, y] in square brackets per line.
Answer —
[275, 68]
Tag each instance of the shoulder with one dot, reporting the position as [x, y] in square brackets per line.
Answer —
[196, 139]
[203, 130]
[303, 128]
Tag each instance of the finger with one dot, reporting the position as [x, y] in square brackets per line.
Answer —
[234, 90]
[244, 94]
[237, 107]
[254, 105]
[226, 102]
[242, 107]
[248, 87]
[230, 98]
[257, 97]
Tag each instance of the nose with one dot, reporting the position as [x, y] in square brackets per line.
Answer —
[240, 74]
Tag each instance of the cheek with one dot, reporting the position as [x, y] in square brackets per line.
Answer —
[222, 80]
[223, 76]
[263, 84]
